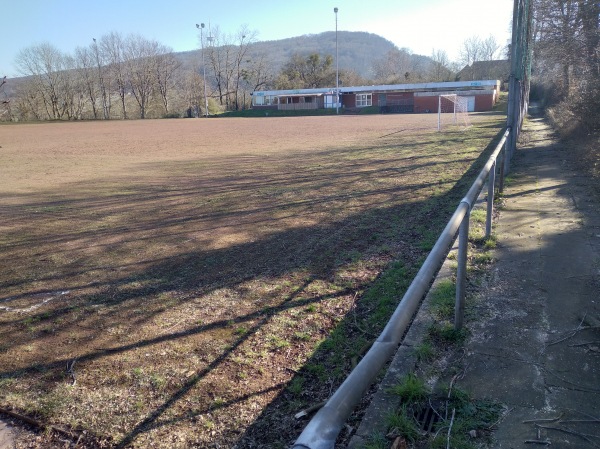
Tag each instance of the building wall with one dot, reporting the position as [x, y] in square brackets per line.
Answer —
[426, 104]
[484, 102]
[348, 100]
[418, 98]
[429, 102]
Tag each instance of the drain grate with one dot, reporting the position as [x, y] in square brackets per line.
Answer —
[427, 418]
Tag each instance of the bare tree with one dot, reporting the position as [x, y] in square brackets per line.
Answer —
[257, 72]
[141, 66]
[28, 101]
[165, 69]
[567, 56]
[245, 37]
[193, 95]
[112, 48]
[46, 65]
[228, 59]
[85, 65]
[440, 66]
[395, 67]
[102, 82]
[73, 90]
[5, 111]
[489, 48]
[471, 50]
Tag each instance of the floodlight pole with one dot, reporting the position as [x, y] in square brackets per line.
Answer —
[201, 27]
[337, 68]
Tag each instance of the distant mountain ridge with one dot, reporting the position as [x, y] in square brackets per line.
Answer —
[357, 50]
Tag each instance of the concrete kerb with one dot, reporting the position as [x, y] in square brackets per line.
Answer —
[405, 360]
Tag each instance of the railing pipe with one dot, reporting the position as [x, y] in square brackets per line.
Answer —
[323, 429]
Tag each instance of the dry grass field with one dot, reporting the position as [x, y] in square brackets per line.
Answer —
[194, 283]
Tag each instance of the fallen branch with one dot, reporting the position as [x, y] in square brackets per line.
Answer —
[39, 424]
[580, 421]
[450, 428]
[528, 421]
[573, 333]
[595, 342]
[571, 432]
[309, 410]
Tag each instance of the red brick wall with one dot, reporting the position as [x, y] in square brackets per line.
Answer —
[349, 100]
[484, 103]
[422, 104]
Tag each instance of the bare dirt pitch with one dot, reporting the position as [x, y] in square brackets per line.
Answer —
[169, 283]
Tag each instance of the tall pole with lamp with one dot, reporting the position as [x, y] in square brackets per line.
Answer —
[201, 27]
[337, 68]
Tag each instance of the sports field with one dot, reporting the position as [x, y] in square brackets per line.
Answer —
[195, 283]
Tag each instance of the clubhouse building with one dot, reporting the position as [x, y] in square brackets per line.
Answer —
[396, 98]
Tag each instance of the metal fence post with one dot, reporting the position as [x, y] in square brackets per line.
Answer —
[490, 201]
[461, 272]
[503, 158]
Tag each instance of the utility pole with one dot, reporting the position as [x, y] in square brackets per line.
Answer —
[337, 67]
[201, 27]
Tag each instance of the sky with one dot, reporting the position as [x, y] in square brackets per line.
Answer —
[419, 25]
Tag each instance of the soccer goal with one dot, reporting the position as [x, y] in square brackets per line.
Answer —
[453, 111]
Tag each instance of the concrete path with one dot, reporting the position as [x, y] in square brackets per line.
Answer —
[535, 331]
[7, 440]
[536, 341]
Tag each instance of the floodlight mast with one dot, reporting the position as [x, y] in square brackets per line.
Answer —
[337, 69]
[201, 27]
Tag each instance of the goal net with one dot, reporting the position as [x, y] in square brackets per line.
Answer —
[453, 112]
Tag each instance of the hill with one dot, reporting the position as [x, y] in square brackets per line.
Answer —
[356, 50]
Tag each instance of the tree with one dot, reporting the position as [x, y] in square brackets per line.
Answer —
[165, 69]
[489, 48]
[102, 85]
[85, 65]
[397, 66]
[5, 111]
[112, 47]
[306, 72]
[141, 60]
[46, 65]
[471, 50]
[228, 60]
[440, 66]
[567, 57]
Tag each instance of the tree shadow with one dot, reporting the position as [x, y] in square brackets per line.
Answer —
[339, 211]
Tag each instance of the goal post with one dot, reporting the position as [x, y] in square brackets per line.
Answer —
[453, 111]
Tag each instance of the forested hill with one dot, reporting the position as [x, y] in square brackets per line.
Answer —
[356, 50]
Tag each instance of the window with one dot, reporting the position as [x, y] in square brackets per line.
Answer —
[364, 100]
[258, 100]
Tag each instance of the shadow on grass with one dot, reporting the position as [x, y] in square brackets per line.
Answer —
[140, 248]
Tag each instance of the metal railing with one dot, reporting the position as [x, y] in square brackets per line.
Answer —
[323, 429]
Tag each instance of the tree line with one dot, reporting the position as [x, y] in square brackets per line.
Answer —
[121, 77]
[566, 62]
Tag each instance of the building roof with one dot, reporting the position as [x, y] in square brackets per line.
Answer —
[454, 85]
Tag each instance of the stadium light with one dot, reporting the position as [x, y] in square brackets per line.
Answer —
[201, 27]
[337, 69]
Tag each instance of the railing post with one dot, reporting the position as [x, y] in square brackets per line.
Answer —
[490, 201]
[461, 272]
[503, 158]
